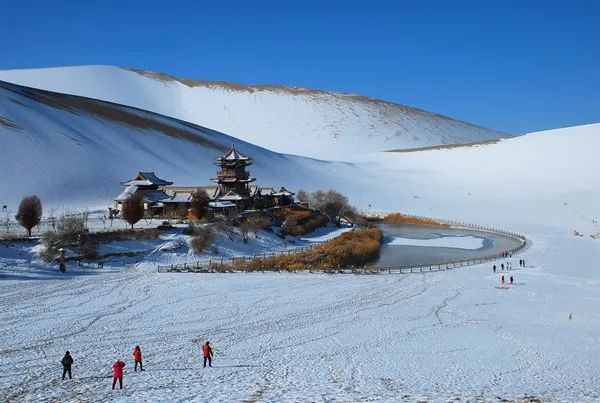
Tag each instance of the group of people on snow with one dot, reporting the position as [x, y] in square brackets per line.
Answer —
[118, 366]
[508, 266]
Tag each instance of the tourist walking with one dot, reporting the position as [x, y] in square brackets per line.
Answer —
[511, 280]
[494, 267]
[67, 361]
[502, 281]
[502, 265]
[207, 353]
[118, 373]
[137, 358]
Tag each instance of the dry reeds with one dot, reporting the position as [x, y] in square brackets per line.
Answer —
[353, 248]
[398, 218]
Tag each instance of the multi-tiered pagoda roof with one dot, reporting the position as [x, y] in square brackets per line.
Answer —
[233, 177]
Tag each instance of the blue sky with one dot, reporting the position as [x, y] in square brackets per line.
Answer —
[515, 66]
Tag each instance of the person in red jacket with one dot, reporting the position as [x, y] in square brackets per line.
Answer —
[207, 353]
[137, 358]
[118, 373]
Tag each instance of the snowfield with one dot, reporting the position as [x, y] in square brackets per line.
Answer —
[311, 123]
[302, 337]
[448, 335]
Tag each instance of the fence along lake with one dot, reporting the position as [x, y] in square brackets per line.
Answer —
[413, 245]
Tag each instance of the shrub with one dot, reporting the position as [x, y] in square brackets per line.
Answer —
[30, 212]
[125, 234]
[203, 238]
[253, 224]
[133, 209]
[303, 224]
[51, 243]
[89, 248]
[70, 230]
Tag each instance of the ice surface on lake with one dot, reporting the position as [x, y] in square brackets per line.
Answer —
[461, 242]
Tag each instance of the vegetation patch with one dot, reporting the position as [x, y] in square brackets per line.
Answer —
[125, 235]
[202, 238]
[297, 225]
[354, 248]
[397, 218]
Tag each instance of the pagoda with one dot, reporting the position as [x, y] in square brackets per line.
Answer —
[233, 179]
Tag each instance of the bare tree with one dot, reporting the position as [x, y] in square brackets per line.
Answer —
[331, 203]
[199, 203]
[133, 209]
[30, 212]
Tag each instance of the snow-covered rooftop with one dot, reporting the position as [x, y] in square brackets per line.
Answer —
[283, 192]
[221, 204]
[233, 155]
[146, 178]
[230, 196]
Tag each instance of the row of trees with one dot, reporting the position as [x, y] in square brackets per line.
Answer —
[330, 203]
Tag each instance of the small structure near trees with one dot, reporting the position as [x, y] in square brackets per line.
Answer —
[30, 212]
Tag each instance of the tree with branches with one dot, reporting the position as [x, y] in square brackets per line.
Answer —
[331, 203]
[133, 209]
[30, 212]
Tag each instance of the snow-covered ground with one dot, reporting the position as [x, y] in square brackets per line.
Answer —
[311, 123]
[306, 337]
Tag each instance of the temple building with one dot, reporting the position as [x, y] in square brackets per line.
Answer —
[148, 186]
[232, 193]
[233, 180]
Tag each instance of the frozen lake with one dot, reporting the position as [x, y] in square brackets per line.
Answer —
[421, 244]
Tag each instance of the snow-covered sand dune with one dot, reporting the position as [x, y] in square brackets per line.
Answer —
[291, 120]
[74, 151]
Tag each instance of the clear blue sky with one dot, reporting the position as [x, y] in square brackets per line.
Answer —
[516, 66]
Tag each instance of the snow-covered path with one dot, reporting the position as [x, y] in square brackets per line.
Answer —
[307, 336]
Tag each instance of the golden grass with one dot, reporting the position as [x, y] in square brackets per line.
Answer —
[398, 218]
[354, 248]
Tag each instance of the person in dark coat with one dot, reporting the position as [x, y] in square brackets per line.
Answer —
[511, 280]
[502, 265]
[67, 361]
[207, 353]
[494, 268]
